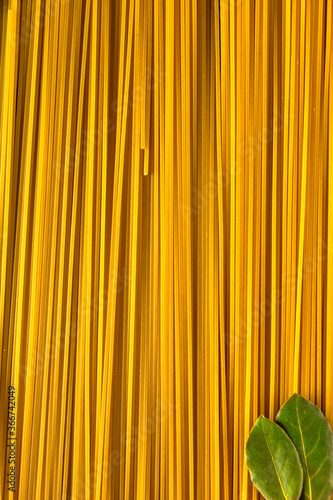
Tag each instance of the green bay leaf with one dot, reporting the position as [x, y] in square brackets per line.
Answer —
[310, 432]
[273, 462]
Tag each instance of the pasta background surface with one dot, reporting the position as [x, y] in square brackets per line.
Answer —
[166, 239]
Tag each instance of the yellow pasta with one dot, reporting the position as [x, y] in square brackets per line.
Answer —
[166, 239]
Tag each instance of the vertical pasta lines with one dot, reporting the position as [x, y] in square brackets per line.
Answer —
[7, 156]
[250, 209]
[303, 198]
[328, 368]
[27, 152]
[165, 238]
[220, 156]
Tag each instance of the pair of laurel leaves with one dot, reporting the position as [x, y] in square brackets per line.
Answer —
[292, 458]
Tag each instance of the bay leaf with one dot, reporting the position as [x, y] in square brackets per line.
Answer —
[273, 462]
[310, 432]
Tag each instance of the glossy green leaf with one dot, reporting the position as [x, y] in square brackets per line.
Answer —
[311, 434]
[273, 462]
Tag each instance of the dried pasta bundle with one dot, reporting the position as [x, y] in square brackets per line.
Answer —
[166, 239]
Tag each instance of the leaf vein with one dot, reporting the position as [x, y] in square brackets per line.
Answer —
[313, 475]
[305, 458]
[292, 425]
[277, 473]
[316, 444]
